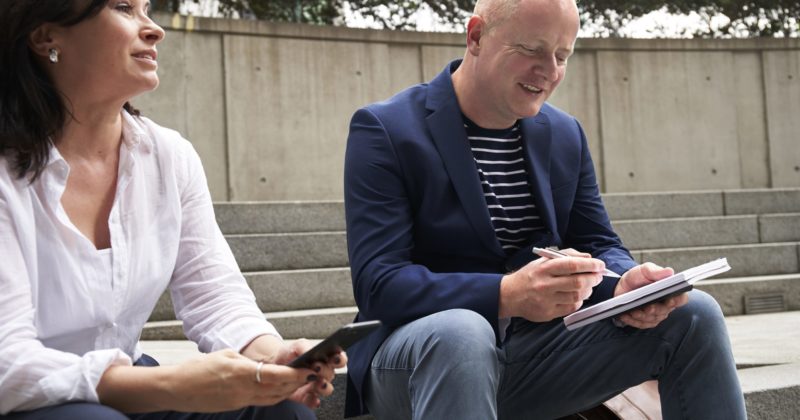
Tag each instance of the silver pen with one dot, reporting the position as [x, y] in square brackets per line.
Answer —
[553, 253]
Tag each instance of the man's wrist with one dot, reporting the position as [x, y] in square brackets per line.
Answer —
[503, 306]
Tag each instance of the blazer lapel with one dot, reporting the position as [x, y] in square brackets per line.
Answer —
[537, 139]
[446, 126]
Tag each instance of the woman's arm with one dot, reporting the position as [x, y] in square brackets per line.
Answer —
[208, 290]
[219, 381]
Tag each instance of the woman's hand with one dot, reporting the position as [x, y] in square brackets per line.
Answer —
[274, 350]
[220, 381]
[226, 380]
[311, 393]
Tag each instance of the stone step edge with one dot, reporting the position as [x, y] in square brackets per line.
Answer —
[613, 221]
[272, 315]
[765, 277]
[711, 247]
[187, 349]
[750, 279]
[732, 290]
[633, 194]
[326, 310]
[633, 251]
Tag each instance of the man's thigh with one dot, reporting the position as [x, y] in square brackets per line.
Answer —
[551, 372]
[444, 365]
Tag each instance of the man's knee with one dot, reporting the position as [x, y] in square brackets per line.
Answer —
[462, 333]
[702, 307]
[702, 316]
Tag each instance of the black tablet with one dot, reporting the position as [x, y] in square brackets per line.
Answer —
[336, 342]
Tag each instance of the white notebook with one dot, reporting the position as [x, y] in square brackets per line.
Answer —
[678, 283]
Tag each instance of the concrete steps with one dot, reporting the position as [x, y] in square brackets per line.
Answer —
[316, 323]
[295, 260]
[300, 250]
[308, 323]
[294, 257]
[625, 206]
[745, 260]
[757, 269]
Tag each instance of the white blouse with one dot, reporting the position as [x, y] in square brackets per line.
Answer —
[69, 311]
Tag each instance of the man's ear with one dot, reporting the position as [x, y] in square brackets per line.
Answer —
[476, 27]
[43, 38]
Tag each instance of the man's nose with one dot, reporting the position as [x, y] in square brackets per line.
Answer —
[547, 67]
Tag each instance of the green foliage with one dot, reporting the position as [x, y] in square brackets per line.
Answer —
[322, 12]
[399, 15]
[747, 18]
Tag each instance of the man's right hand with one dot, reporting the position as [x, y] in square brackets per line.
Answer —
[545, 289]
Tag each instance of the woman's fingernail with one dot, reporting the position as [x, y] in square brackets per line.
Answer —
[311, 378]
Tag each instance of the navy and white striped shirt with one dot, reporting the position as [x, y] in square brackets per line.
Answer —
[501, 167]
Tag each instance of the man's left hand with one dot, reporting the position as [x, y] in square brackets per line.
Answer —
[650, 315]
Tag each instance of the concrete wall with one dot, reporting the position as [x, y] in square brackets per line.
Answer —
[268, 105]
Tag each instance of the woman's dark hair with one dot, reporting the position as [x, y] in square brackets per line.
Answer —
[32, 112]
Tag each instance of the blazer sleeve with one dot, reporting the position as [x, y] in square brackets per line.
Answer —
[387, 284]
[589, 228]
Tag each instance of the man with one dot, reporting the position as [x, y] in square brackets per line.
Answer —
[448, 186]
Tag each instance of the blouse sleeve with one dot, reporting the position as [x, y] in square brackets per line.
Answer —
[32, 375]
[208, 290]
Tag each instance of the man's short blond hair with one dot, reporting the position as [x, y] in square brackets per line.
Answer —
[495, 12]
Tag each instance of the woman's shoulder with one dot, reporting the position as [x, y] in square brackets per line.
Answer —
[8, 173]
[164, 147]
[144, 129]
[13, 189]
[162, 142]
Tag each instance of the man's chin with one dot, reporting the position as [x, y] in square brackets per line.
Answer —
[531, 111]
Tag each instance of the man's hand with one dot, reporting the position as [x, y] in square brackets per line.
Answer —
[650, 315]
[549, 288]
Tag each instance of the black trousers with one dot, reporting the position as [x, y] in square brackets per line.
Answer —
[286, 410]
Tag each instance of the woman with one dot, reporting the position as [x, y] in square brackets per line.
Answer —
[100, 211]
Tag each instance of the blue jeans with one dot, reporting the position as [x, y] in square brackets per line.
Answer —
[90, 411]
[447, 365]
[286, 410]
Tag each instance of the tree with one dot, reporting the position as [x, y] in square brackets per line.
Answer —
[720, 18]
[321, 12]
[758, 18]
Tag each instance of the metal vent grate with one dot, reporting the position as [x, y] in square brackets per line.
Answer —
[764, 303]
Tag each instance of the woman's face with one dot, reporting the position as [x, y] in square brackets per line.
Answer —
[110, 56]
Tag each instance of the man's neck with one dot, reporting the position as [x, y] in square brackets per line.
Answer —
[470, 101]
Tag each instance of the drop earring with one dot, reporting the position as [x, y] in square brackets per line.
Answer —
[53, 55]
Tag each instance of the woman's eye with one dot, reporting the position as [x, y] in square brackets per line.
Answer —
[124, 7]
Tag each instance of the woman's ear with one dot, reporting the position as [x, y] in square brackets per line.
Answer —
[43, 39]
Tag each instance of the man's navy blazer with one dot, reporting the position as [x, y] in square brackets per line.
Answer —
[419, 236]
